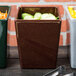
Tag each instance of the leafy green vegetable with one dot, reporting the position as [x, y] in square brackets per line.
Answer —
[48, 16]
[28, 17]
[37, 16]
[57, 17]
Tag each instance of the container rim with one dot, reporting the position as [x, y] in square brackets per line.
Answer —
[37, 21]
[39, 7]
[8, 12]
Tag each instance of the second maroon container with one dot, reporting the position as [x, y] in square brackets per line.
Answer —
[38, 40]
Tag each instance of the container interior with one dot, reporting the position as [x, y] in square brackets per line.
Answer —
[33, 10]
[4, 8]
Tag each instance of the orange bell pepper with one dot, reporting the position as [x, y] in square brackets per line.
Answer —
[3, 15]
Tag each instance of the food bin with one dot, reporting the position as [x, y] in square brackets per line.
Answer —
[3, 37]
[38, 40]
[72, 23]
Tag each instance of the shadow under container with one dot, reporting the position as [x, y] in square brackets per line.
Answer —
[38, 40]
[3, 37]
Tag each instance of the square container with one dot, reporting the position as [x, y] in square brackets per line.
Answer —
[72, 23]
[3, 37]
[38, 40]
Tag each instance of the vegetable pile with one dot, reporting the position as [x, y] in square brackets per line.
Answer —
[39, 16]
[3, 15]
[72, 11]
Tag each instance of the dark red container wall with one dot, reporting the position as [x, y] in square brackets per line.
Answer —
[38, 40]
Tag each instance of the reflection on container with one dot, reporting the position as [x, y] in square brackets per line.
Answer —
[1, 29]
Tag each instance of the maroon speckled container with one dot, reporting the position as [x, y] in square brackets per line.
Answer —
[38, 40]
